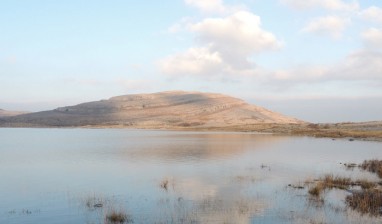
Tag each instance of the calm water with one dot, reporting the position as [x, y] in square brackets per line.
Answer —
[58, 175]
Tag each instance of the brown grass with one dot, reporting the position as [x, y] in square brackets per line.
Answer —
[341, 130]
[337, 133]
[329, 181]
[374, 166]
[164, 184]
[118, 217]
[365, 184]
[316, 190]
[366, 202]
[365, 131]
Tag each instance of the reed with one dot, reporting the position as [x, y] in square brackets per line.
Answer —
[373, 166]
[366, 202]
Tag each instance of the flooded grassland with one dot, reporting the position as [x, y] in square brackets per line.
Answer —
[142, 176]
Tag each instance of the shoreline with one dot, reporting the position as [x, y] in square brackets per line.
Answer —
[366, 131]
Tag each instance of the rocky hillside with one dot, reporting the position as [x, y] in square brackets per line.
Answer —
[157, 110]
[7, 113]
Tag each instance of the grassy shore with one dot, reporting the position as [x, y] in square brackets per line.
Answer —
[361, 131]
[371, 131]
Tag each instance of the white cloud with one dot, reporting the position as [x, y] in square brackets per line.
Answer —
[227, 43]
[194, 61]
[328, 25]
[334, 5]
[302, 73]
[360, 65]
[372, 13]
[372, 38]
[240, 33]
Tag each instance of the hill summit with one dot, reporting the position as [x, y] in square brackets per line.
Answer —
[156, 110]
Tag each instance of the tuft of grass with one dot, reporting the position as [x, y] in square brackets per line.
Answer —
[118, 217]
[366, 202]
[164, 184]
[373, 166]
[330, 181]
[316, 190]
[365, 184]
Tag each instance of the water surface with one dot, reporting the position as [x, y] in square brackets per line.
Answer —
[57, 175]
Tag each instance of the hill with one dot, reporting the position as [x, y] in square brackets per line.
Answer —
[174, 109]
[7, 113]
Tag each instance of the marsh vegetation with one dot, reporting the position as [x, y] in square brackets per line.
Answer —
[114, 217]
[364, 196]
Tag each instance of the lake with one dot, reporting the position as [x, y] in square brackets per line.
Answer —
[81, 175]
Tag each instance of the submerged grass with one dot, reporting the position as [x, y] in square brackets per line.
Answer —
[369, 199]
[164, 184]
[328, 182]
[117, 217]
[373, 166]
[316, 190]
[365, 184]
[366, 202]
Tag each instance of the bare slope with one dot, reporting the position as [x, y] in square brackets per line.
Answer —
[7, 113]
[157, 110]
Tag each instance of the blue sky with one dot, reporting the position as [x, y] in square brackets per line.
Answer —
[280, 54]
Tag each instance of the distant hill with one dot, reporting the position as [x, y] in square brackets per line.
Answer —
[156, 110]
[7, 113]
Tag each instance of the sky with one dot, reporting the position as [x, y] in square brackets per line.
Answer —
[317, 60]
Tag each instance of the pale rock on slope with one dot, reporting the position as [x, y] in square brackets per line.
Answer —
[156, 110]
